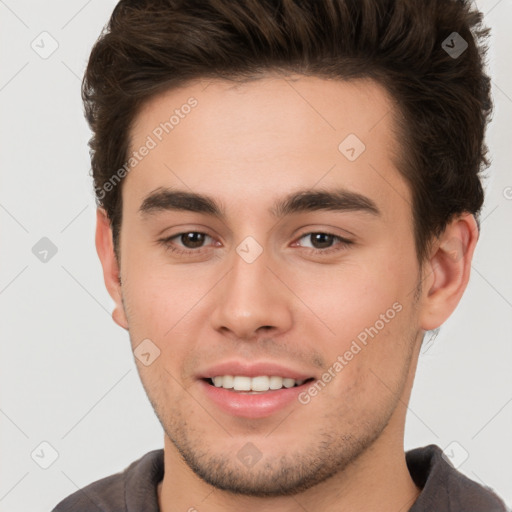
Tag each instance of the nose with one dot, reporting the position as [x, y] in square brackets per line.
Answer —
[252, 300]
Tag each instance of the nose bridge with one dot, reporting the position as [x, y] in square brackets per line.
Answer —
[250, 296]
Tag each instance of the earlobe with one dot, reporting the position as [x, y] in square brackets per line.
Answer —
[109, 263]
[448, 270]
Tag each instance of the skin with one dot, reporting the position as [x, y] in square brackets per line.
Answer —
[247, 146]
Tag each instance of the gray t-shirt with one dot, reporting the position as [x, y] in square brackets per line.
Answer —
[444, 489]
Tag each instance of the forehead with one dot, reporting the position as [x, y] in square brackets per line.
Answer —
[242, 142]
[262, 108]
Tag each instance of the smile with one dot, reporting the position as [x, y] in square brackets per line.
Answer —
[259, 384]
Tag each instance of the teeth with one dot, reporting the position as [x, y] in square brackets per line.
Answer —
[260, 383]
[288, 383]
[241, 383]
[276, 383]
[228, 381]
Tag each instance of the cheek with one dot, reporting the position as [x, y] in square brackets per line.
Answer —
[352, 296]
[163, 306]
[160, 381]
[368, 376]
[366, 305]
[159, 300]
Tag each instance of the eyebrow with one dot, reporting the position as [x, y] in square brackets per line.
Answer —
[339, 199]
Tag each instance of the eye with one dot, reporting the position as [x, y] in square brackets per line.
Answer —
[193, 242]
[186, 242]
[320, 242]
[192, 239]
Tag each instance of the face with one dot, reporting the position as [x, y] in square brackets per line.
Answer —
[292, 264]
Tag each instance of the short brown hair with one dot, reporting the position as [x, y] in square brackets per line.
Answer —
[150, 46]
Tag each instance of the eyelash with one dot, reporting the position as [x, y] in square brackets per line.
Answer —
[344, 243]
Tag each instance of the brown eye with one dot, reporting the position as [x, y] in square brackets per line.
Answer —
[192, 239]
[321, 240]
[323, 243]
[186, 243]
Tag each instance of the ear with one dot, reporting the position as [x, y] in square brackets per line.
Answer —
[111, 273]
[446, 273]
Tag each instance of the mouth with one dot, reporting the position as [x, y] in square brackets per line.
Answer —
[253, 397]
[255, 389]
[255, 385]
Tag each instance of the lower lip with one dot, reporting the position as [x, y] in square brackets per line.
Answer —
[248, 405]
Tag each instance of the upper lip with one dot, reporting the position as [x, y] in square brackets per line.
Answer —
[252, 369]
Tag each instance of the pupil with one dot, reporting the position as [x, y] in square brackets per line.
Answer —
[323, 239]
[192, 239]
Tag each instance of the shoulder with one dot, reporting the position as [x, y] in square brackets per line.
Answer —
[112, 493]
[444, 488]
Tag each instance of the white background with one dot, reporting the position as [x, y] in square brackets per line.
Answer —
[67, 374]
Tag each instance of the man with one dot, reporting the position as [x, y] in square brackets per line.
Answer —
[287, 201]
